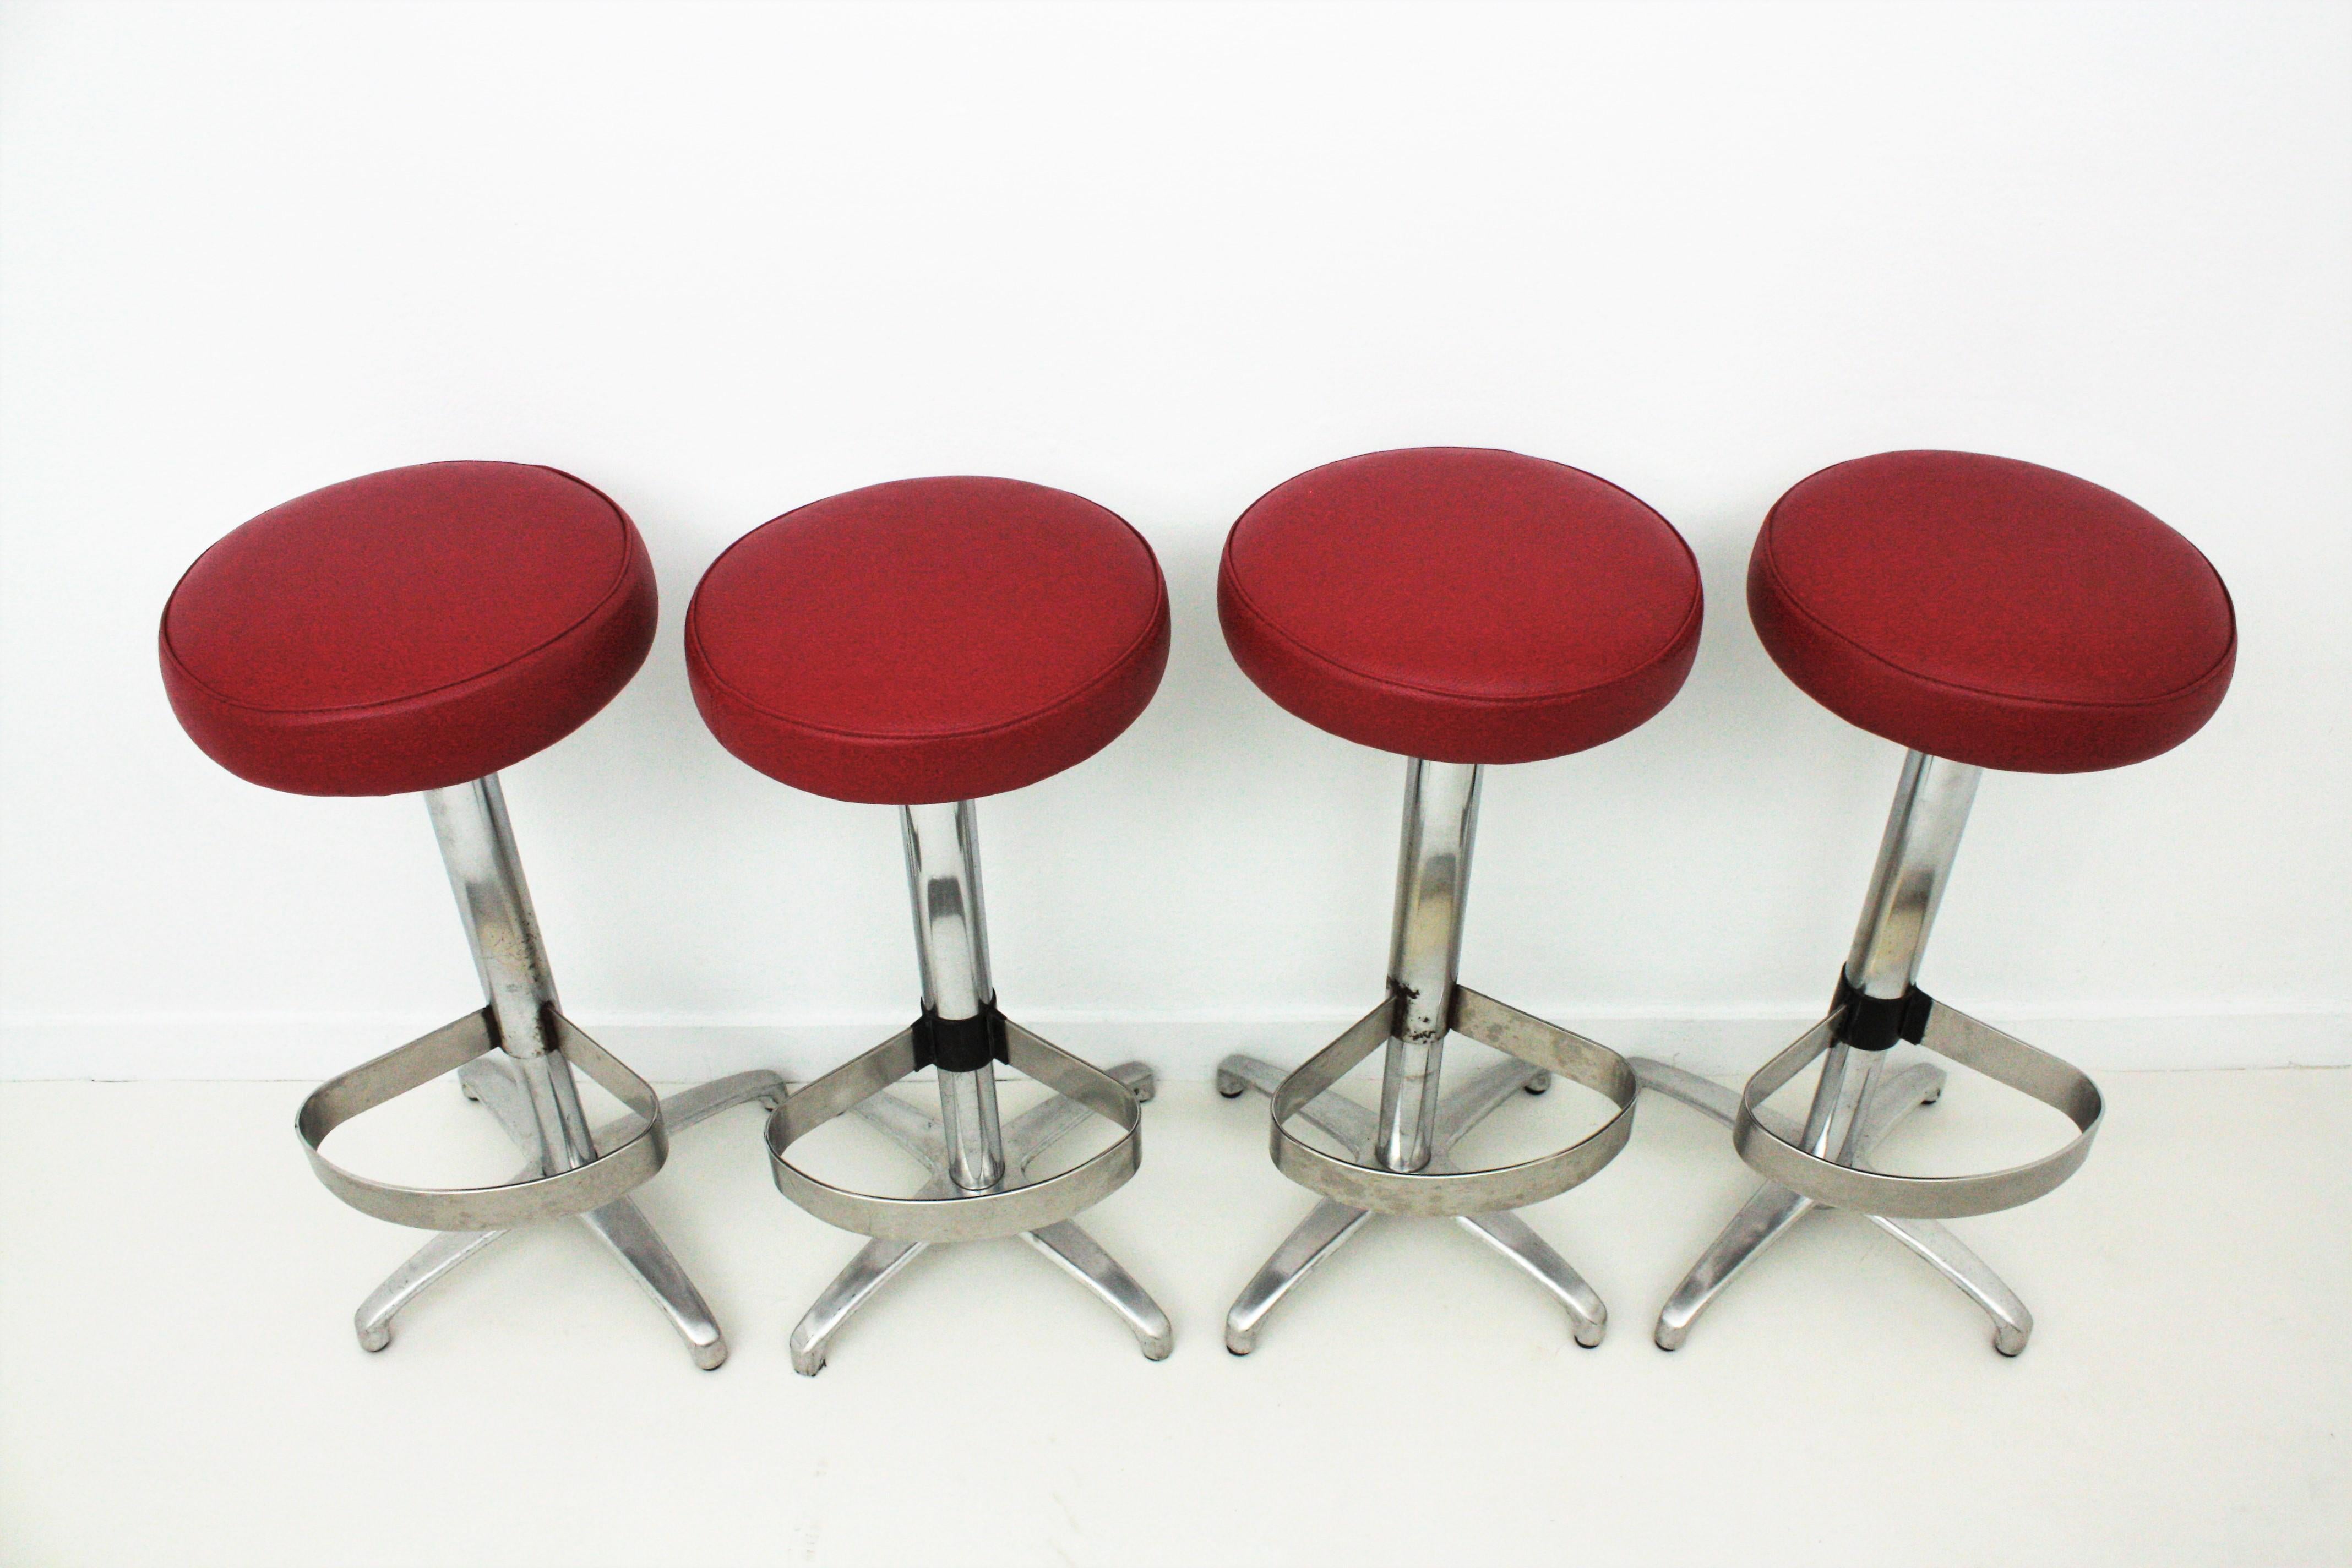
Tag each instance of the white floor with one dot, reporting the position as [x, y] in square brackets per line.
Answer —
[179, 1384]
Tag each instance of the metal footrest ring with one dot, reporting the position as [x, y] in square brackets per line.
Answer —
[971, 1217]
[1453, 1193]
[612, 1175]
[1956, 1036]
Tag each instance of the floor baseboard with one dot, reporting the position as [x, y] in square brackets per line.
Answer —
[202, 1045]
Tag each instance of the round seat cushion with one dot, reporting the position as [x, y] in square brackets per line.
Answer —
[928, 640]
[410, 630]
[1991, 612]
[1461, 604]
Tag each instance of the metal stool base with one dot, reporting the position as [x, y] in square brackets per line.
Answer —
[1027, 1137]
[621, 1226]
[1774, 1209]
[1331, 1223]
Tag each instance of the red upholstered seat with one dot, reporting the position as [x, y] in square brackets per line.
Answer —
[1461, 604]
[928, 640]
[1991, 612]
[409, 630]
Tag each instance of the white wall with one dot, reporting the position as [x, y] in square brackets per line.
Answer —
[722, 261]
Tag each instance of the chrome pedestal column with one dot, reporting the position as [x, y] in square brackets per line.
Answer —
[1416, 1127]
[529, 1086]
[968, 1152]
[1859, 1097]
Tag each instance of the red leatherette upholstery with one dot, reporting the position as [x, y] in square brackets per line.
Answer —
[409, 630]
[928, 640]
[1991, 612]
[1461, 604]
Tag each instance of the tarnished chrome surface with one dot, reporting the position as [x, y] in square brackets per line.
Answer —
[485, 867]
[1027, 1139]
[1331, 1225]
[611, 1175]
[516, 1056]
[1544, 1046]
[1397, 1160]
[523, 1020]
[1441, 826]
[1957, 1037]
[957, 1215]
[491, 1080]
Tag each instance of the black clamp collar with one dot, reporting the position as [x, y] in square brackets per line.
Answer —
[1876, 1023]
[960, 1045]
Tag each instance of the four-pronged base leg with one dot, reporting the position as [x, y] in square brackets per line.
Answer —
[1331, 1225]
[621, 1226]
[1774, 1209]
[1027, 1137]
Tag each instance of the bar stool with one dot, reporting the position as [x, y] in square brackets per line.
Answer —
[418, 630]
[1463, 607]
[919, 645]
[1981, 613]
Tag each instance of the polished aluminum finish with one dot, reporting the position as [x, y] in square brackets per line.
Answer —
[977, 1188]
[1824, 1162]
[1396, 1162]
[521, 1020]
[1906, 886]
[1915, 864]
[951, 949]
[1441, 826]
[974, 1128]
[1769, 1214]
[516, 1057]
[1027, 1139]
[1331, 1225]
[620, 1225]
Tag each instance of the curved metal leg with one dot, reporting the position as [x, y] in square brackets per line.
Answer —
[915, 1132]
[623, 1228]
[1330, 1225]
[1238, 1073]
[1085, 1260]
[700, 1104]
[1322, 1232]
[874, 1265]
[1517, 1240]
[1773, 1209]
[1762, 1221]
[436, 1257]
[489, 1081]
[1027, 1137]
[1332, 1111]
[1701, 1094]
[1950, 1257]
